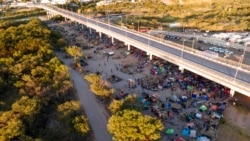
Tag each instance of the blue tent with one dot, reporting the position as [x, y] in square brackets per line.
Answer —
[185, 132]
[167, 105]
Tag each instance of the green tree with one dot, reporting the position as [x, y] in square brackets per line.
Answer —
[129, 125]
[80, 124]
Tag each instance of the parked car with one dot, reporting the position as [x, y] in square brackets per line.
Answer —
[201, 48]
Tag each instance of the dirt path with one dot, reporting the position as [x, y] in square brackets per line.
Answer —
[95, 113]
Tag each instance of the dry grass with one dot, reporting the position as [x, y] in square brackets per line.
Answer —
[230, 132]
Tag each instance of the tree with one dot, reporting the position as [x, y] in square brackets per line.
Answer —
[115, 105]
[10, 126]
[75, 52]
[68, 109]
[26, 106]
[130, 102]
[131, 125]
[98, 86]
[80, 124]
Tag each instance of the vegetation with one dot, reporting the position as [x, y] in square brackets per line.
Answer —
[98, 86]
[232, 15]
[130, 102]
[133, 125]
[35, 89]
[8, 15]
[75, 52]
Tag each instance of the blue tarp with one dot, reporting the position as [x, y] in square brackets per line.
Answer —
[204, 97]
[185, 132]
[167, 105]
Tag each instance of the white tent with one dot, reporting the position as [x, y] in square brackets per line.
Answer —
[192, 134]
[203, 139]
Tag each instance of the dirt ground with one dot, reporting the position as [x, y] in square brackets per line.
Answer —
[237, 123]
[237, 120]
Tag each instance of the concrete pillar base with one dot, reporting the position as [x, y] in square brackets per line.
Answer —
[150, 56]
[90, 31]
[128, 47]
[100, 34]
[181, 69]
[232, 92]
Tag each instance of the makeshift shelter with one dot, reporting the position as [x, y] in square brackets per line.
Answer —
[203, 138]
[203, 108]
[198, 115]
[179, 139]
[204, 97]
[191, 124]
[214, 107]
[167, 105]
[189, 88]
[170, 131]
[131, 83]
[192, 134]
[189, 118]
[185, 132]
[175, 98]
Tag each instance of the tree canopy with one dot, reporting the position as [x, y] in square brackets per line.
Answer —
[33, 82]
[99, 86]
[75, 52]
[133, 125]
[130, 102]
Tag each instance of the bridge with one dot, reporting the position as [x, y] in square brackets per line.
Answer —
[233, 75]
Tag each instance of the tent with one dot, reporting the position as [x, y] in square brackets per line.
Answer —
[185, 132]
[179, 139]
[170, 131]
[198, 115]
[203, 108]
[192, 134]
[168, 105]
[175, 98]
[202, 138]
[189, 88]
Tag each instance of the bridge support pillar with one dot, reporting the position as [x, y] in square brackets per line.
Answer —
[48, 15]
[128, 47]
[232, 92]
[90, 31]
[181, 69]
[100, 35]
[150, 56]
[65, 19]
[112, 40]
